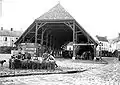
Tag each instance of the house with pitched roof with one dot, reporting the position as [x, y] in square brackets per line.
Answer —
[103, 43]
[8, 37]
[104, 46]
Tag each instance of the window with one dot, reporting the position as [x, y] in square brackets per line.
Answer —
[5, 38]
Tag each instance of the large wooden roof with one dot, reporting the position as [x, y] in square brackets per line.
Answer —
[56, 13]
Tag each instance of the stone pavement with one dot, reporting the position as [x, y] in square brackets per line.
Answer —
[79, 64]
[64, 66]
[96, 74]
[106, 75]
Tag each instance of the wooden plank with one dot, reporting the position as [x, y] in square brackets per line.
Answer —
[32, 32]
[41, 25]
[78, 32]
[74, 54]
[42, 37]
[76, 35]
[42, 42]
[26, 31]
[95, 51]
[68, 24]
[31, 38]
[23, 38]
[84, 32]
[55, 21]
[82, 44]
[36, 31]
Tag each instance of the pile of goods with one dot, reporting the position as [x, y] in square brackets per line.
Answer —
[26, 61]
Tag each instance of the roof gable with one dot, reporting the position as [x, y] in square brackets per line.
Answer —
[56, 13]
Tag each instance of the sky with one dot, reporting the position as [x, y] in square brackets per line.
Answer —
[97, 17]
[0, 8]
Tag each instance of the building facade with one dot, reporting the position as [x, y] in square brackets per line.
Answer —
[115, 43]
[9, 37]
[103, 43]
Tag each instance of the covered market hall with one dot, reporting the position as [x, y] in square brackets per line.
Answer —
[54, 30]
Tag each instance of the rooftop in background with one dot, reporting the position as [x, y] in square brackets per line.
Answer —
[115, 40]
[10, 33]
[56, 13]
[104, 39]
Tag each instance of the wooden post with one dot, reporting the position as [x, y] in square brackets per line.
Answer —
[36, 39]
[95, 52]
[42, 42]
[74, 36]
[23, 39]
[47, 40]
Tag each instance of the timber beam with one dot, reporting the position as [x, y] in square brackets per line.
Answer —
[84, 32]
[82, 44]
[41, 25]
[27, 31]
[69, 24]
[78, 32]
[74, 41]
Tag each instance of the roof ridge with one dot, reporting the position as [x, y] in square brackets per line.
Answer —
[56, 12]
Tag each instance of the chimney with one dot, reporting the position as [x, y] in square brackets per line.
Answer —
[1, 28]
[11, 29]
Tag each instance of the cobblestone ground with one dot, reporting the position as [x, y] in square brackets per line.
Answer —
[96, 74]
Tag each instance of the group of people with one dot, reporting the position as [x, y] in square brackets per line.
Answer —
[21, 60]
[49, 58]
[16, 59]
[86, 55]
[22, 56]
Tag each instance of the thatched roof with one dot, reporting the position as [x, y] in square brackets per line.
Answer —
[56, 13]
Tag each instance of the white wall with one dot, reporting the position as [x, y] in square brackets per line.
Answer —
[104, 46]
[9, 41]
[69, 47]
[3, 42]
[118, 46]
